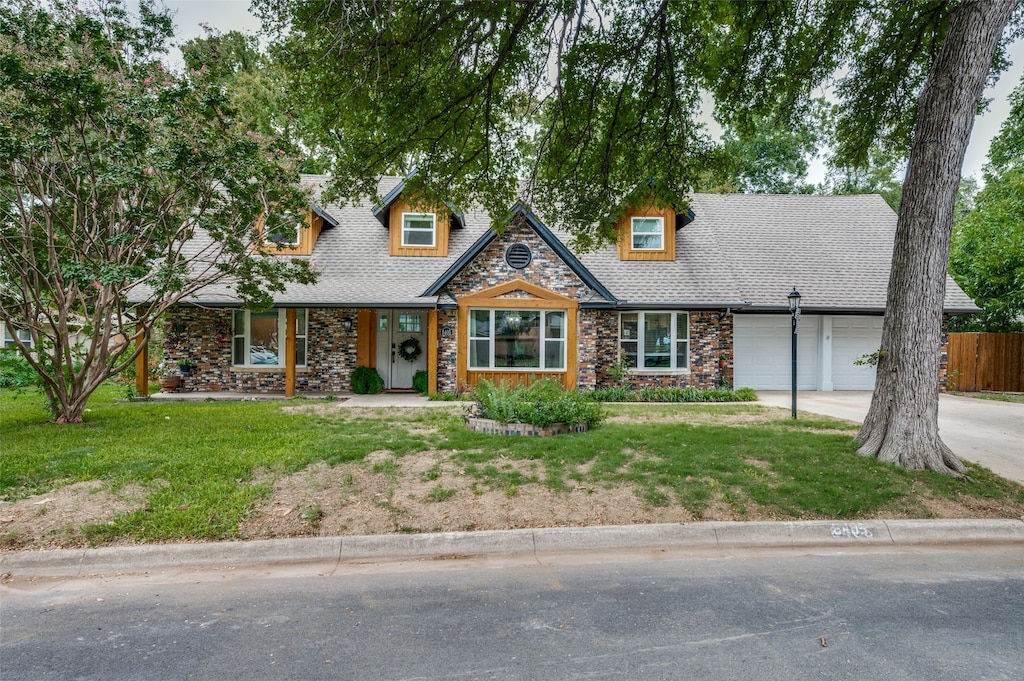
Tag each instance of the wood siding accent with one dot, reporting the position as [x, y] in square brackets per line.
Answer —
[431, 352]
[142, 363]
[986, 361]
[366, 338]
[307, 237]
[543, 299]
[289, 352]
[442, 227]
[625, 243]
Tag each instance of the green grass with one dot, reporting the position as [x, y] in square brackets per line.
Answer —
[997, 396]
[204, 466]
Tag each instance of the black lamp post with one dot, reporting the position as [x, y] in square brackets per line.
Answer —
[794, 309]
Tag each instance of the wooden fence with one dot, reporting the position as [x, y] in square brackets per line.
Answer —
[986, 361]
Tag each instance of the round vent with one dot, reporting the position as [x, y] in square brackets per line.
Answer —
[518, 256]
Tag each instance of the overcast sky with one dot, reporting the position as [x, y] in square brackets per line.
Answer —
[227, 15]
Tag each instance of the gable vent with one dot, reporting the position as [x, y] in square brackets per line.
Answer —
[518, 256]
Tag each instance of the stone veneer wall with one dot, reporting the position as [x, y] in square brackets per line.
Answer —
[447, 351]
[204, 336]
[944, 355]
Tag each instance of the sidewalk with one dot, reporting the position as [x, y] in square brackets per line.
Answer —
[822, 534]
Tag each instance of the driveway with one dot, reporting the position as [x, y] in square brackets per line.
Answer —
[987, 432]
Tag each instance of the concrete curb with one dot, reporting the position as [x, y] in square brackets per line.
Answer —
[384, 548]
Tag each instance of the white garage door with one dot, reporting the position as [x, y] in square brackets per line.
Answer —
[852, 338]
[763, 349]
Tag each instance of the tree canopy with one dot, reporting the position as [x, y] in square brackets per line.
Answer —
[987, 251]
[124, 188]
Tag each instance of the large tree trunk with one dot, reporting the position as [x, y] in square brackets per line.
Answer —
[902, 424]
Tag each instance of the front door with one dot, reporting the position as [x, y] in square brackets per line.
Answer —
[401, 346]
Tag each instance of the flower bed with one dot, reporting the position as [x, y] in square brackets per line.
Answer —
[492, 427]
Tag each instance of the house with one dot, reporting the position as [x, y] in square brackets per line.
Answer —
[697, 298]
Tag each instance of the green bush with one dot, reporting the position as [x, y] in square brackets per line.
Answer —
[662, 394]
[419, 382]
[15, 371]
[541, 403]
[366, 381]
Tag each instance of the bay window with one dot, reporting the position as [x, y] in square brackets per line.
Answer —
[655, 340]
[259, 338]
[517, 339]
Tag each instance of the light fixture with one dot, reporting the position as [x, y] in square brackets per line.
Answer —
[513, 318]
[794, 309]
[347, 324]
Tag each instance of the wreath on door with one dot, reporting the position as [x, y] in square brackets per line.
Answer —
[410, 349]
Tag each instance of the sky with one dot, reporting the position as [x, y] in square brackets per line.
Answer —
[227, 15]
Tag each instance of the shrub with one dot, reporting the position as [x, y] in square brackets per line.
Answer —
[541, 404]
[15, 371]
[419, 382]
[663, 394]
[366, 381]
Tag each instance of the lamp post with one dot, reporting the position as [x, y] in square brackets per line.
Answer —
[794, 310]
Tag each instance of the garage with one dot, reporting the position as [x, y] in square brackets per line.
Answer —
[828, 346]
[852, 338]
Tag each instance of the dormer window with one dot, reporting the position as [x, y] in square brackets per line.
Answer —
[648, 233]
[419, 230]
[284, 230]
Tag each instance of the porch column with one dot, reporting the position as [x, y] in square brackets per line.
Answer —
[432, 352]
[142, 362]
[289, 353]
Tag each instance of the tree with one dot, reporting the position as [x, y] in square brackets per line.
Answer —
[987, 251]
[883, 175]
[123, 190]
[608, 94]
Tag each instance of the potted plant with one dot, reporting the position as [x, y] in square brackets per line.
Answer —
[186, 366]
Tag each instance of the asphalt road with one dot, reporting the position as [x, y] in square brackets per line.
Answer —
[767, 615]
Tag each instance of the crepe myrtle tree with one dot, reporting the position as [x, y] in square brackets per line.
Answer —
[586, 100]
[124, 188]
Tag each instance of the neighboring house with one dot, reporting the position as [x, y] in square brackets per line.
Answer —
[690, 299]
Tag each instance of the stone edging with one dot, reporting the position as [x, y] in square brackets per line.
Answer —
[492, 427]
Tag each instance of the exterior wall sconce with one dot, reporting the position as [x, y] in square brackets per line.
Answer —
[347, 324]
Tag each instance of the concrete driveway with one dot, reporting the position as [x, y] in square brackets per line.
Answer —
[987, 432]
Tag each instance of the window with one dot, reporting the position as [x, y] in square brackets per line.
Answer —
[408, 323]
[648, 234]
[517, 339]
[24, 334]
[655, 340]
[259, 338]
[284, 229]
[418, 229]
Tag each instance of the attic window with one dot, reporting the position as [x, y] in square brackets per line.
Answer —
[418, 229]
[283, 229]
[518, 256]
[648, 233]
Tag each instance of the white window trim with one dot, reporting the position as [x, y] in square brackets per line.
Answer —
[299, 226]
[640, 339]
[633, 233]
[301, 335]
[24, 334]
[433, 229]
[544, 340]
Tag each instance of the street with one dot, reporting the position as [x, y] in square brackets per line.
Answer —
[921, 613]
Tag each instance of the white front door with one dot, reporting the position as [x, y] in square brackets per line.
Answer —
[397, 329]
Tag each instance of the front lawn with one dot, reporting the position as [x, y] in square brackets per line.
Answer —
[146, 471]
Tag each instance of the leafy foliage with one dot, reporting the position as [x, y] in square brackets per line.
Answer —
[540, 403]
[664, 394]
[366, 381]
[124, 188]
[987, 251]
[419, 382]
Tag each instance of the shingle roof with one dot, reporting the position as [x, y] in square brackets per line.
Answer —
[740, 249]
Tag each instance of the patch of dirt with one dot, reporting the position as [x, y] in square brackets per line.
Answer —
[56, 517]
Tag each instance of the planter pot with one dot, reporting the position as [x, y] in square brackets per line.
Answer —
[170, 384]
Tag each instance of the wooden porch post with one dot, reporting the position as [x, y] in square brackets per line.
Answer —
[289, 353]
[142, 363]
[432, 352]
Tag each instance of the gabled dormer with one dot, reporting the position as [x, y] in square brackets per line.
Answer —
[295, 234]
[647, 226]
[416, 228]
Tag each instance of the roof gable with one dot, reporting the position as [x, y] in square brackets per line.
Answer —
[520, 210]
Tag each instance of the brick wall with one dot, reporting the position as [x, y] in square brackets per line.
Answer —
[204, 337]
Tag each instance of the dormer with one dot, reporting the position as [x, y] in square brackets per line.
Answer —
[649, 233]
[295, 234]
[416, 228]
